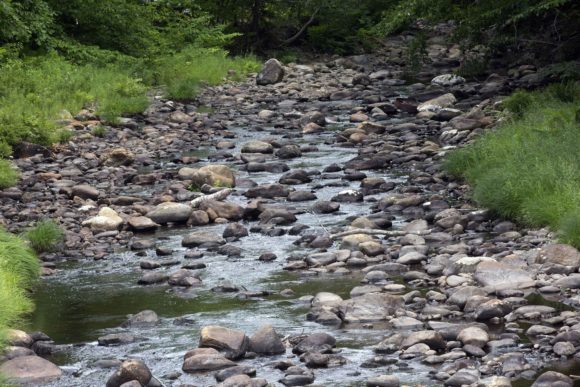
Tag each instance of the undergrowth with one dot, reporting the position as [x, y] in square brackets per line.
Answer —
[8, 175]
[19, 269]
[529, 168]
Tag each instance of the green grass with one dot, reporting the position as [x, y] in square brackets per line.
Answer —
[99, 131]
[184, 73]
[45, 236]
[8, 175]
[19, 269]
[528, 169]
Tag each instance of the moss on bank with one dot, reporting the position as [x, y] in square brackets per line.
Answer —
[528, 169]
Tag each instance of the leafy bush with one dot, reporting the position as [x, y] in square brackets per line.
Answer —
[8, 175]
[529, 168]
[45, 236]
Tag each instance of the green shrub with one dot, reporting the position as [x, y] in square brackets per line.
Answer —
[99, 131]
[518, 102]
[8, 175]
[45, 236]
[18, 259]
[529, 168]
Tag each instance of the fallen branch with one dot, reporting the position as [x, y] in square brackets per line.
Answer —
[301, 31]
[220, 195]
[369, 231]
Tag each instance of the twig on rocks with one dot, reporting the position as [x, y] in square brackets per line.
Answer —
[369, 231]
[220, 195]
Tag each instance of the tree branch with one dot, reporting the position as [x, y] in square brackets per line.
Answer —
[301, 31]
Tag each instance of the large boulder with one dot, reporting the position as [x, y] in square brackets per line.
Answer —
[553, 379]
[106, 220]
[30, 369]
[202, 238]
[130, 370]
[438, 103]
[559, 254]
[256, 146]
[226, 210]
[266, 342]
[170, 213]
[272, 72]
[231, 342]
[370, 307]
[216, 175]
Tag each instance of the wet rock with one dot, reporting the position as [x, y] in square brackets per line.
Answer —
[142, 223]
[232, 342]
[298, 176]
[85, 191]
[383, 381]
[289, 152]
[226, 210]
[267, 257]
[206, 362]
[432, 338]
[492, 309]
[297, 380]
[128, 371]
[215, 175]
[437, 103]
[564, 348]
[553, 379]
[473, 336]
[279, 216]
[198, 218]
[202, 238]
[170, 213]
[348, 196]
[370, 307]
[315, 360]
[325, 207]
[267, 191]
[301, 196]
[538, 330]
[184, 277]
[272, 72]
[235, 231]
[116, 339]
[352, 242]
[152, 278]
[222, 375]
[145, 318]
[30, 369]
[266, 342]
[256, 146]
[406, 323]
[559, 254]
[18, 338]
[106, 220]
[316, 342]
[462, 377]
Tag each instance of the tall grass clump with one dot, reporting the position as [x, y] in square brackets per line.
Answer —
[8, 175]
[528, 169]
[45, 236]
[19, 269]
[184, 73]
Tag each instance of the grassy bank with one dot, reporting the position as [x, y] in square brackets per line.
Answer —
[37, 92]
[528, 169]
[19, 269]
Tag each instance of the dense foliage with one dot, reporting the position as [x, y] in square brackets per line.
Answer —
[529, 168]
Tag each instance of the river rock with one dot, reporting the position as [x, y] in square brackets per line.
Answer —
[266, 342]
[432, 338]
[272, 72]
[232, 342]
[116, 339]
[492, 309]
[462, 377]
[85, 191]
[106, 220]
[215, 175]
[383, 381]
[202, 238]
[267, 191]
[142, 223]
[119, 157]
[222, 375]
[19, 338]
[301, 196]
[370, 307]
[497, 276]
[278, 216]
[30, 370]
[325, 207]
[289, 152]
[473, 336]
[256, 146]
[553, 379]
[206, 362]
[447, 80]
[297, 176]
[145, 318]
[235, 230]
[170, 213]
[316, 342]
[351, 242]
[437, 103]
[226, 210]
[130, 370]
[184, 277]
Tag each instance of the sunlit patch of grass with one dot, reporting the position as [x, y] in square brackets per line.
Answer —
[45, 236]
